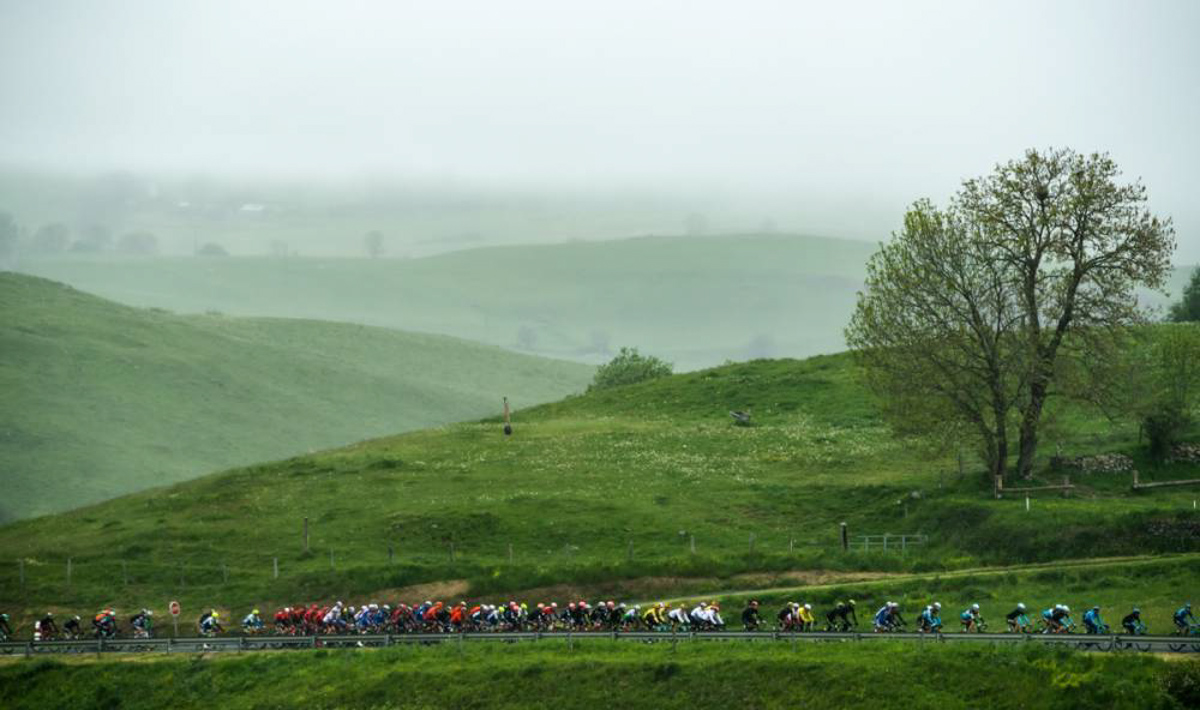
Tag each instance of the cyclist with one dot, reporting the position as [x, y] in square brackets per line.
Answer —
[787, 616]
[930, 620]
[679, 618]
[1184, 619]
[839, 617]
[105, 623]
[209, 623]
[883, 618]
[1093, 623]
[1132, 623]
[141, 623]
[750, 617]
[45, 629]
[71, 629]
[1017, 620]
[5, 629]
[971, 619]
[1057, 618]
[252, 623]
[805, 617]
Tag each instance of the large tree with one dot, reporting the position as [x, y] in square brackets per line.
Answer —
[1077, 244]
[969, 312]
[934, 332]
[1187, 308]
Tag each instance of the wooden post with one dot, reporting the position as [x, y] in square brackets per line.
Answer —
[276, 564]
[791, 545]
[1066, 485]
[845, 538]
[306, 533]
[1135, 478]
[692, 542]
[885, 537]
[752, 543]
[1026, 502]
[999, 486]
[903, 544]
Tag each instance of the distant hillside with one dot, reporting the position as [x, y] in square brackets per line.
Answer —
[102, 399]
[696, 301]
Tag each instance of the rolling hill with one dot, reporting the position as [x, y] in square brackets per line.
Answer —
[102, 399]
[642, 490]
[696, 301]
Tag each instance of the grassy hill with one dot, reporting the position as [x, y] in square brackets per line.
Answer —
[696, 301]
[102, 399]
[603, 491]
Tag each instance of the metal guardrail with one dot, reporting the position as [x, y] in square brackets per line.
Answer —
[237, 644]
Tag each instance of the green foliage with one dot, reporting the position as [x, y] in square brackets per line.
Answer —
[1187, 308]
[102, 399]
[880, 675]
[629, 367]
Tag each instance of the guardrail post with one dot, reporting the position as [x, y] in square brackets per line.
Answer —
[885, 538]
[170, 643]
[845, 538]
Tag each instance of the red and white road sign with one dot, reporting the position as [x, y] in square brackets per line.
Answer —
[174, 608]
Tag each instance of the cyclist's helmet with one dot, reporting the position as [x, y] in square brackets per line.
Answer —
[254, 611]
[937, 605]
[1021, 606]
[76, 617]
[808, 606]
[851, 602]
[1137, 610]
[1096, 608]
[974, 607]
[1066, 608]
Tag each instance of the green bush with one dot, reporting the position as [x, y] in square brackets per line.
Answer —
[629, 367]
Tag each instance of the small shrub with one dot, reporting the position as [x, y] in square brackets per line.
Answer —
[629, 367]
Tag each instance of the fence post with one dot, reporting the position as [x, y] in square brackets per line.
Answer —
[306, 533]
[752, 543]
[692, 542]
[1135, 480]
[791, 545]
[276, 566]
[1026, 502]
[1066, 482]
[885, 537]
[845, 538]
[903, 544]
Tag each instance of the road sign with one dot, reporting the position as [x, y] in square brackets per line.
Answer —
[174, 608]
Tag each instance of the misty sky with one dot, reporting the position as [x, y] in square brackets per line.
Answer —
[855, 107]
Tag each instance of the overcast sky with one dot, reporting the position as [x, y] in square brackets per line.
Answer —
[862, 106]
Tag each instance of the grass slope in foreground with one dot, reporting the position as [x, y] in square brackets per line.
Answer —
[599, 673]
[611, 485]
[102, 399]
[696, 301]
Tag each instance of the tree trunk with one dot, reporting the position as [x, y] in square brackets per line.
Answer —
[1029, 429]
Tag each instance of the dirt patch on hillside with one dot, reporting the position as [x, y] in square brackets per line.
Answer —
[450, 591]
